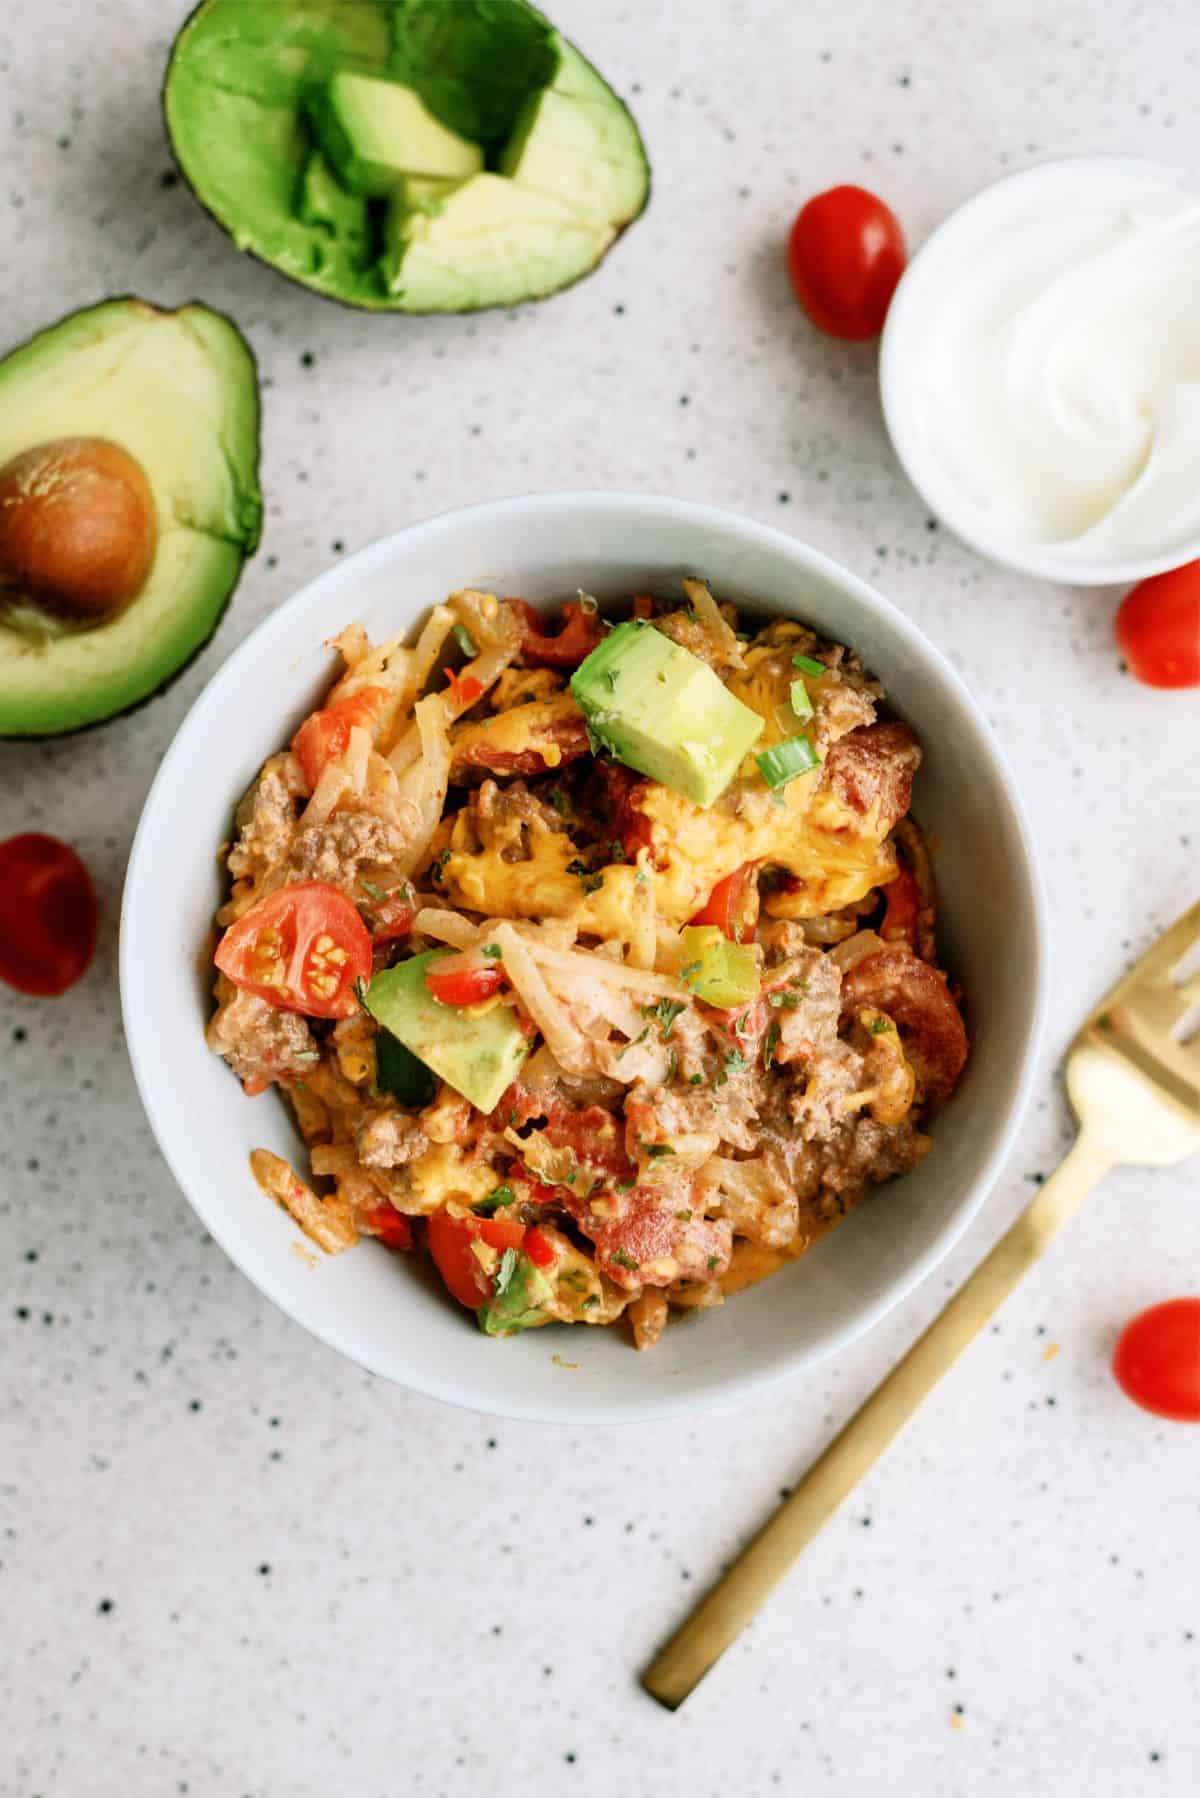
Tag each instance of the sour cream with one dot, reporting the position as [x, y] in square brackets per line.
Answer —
[1042, 369]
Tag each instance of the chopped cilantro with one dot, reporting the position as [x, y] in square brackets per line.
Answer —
[557, 799]
[592, 1299]
[666, 1012]
[624, 1260]
[371, 890]
[683, 1217]
[735, 1063]
[695, 1079]
[465, 640]
[500, 1195]
[783, 1001]
[360, 993]
[713, 1261]
[625, 1185]
[307, 1055]
[880, 1026]
[769, 1044]
[492, 951]
[593, 883]
[655, 1149]
[577, 867]
[505, 1272]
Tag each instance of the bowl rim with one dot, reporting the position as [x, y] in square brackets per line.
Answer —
[634, 1406]
[897, 410]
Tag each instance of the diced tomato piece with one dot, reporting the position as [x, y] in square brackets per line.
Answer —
[324, 735]
[903, 903]
[540, 1252]
[580, 633]
[733, 905]
[392, 916]
[450, 1239]
[301, 949]
[465, 986]
[391, 1227]
[465, 690]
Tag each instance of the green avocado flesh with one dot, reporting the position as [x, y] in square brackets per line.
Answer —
[519, 1306]
[660, 709]
[314, 130]
[178, 391]
[476, 1049]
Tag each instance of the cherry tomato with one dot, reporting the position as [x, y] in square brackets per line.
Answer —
[733, 904]
[301, 949]
[1158, 628]
[845, 255]
[1157, 1360]
[324, 735]
[450, 1240]
[579, 635]
[389, 1226]
[47, 915]
[465, 986]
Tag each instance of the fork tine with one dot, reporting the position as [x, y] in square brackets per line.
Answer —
[1165, 954]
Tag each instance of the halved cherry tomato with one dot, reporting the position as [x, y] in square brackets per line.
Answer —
[450, 1240]
[1158, 628]
[465, 986]
[733, 904]
[389, 1226]
[540, 1252]
[301, 949]
[47, 915]
[579, 635]
[845, 255]
[1157, 1360]
[900, 913]
[324, 735]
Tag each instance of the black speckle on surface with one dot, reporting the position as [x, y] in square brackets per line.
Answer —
[47, 1317]
[194, 1404]
[685, 399]
[337, 546]
[31, 1254]
[588, 1522]
[685, 1573]
[619, 311]
[959, 1711]
[23, 1313]
[272, 561]
[64, 143]
[1155, 1755]
[931, 524]
[546, 1672]
[865, 1522]
[904, 81]
[950, 1673]
[569, 1757]
[783, 498]
[264, 1567]
[497, 1629]
[105, 1606]
[491, 1442]
[20, 1034]
[274, 1422]
[169, 178]
[785, 1492]
[307, 359]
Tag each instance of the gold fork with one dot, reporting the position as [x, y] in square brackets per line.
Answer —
[1133, 1076]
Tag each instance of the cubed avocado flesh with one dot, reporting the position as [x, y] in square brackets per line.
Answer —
[375, 132]
[476, 1049]
[239, 100]
[576, 141]
[178, 391]
[519, 1306]
[663, 711]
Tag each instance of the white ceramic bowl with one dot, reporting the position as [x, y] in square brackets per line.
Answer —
[386, 1312]
[915, 314]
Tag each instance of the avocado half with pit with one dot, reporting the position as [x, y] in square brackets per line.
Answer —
[128, 502]
[404, 155]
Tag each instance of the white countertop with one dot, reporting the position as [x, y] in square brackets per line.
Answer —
[232, 1564]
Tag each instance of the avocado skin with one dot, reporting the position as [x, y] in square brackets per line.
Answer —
[251, 517]
[317, 281]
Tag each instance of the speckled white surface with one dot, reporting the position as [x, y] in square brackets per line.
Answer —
[232, 1564]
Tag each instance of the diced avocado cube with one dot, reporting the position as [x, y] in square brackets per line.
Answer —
[574, 139]
[476, 1049]
[376, 132]
[663, 711]
[719, 972]
[518, 1304]
[490, 243]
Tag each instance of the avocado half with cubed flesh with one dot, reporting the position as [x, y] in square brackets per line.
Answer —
[404, 155]
[128, 502]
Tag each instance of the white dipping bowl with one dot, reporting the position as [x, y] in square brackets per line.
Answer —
[388, 1312]
[912, 317]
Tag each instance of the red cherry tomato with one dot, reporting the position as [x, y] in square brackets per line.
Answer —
[540, 1252]
[392, 916]
[579, 635]
[733, 904]
[390, 1226]
[1158, 628]
[47, 915]
[845, 256]
[301, 949]
[464, 986]
[1157, 1360]
[450, 1240]
[325, 735]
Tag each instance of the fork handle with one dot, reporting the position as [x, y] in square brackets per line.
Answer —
[736, 1598]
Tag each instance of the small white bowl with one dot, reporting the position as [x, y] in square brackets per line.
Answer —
[386, 1312]
[916, 303]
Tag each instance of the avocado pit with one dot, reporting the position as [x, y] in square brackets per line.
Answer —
[78, 528]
